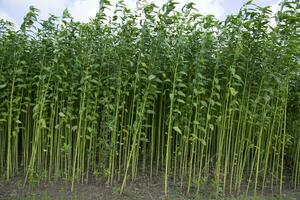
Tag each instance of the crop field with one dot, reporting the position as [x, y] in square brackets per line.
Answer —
[183, 100]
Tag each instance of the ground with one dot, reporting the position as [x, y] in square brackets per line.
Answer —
[141, 189]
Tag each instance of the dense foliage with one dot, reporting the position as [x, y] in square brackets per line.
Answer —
[155, 92]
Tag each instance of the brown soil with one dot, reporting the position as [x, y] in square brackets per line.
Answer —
[141, 189]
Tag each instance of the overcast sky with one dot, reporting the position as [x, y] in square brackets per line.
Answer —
[83, 10]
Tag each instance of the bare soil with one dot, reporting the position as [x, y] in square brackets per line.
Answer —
[141, 189]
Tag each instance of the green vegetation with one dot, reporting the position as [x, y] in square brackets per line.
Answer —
[155, 91]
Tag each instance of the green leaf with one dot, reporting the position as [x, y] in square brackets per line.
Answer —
[61, 114]
[181, 93]
[181, 101]
[3, 86]
[74, 128]
[202, 141]
[90, 129]
[151, 77]
[143, 64]
[150, 112]
[144, 140]
[237, 77]
[43, 123]
[182, 85]
[177, 129]
[177, 111]
[171, 97]
[203, 103]
[196, 122]
[233, 92]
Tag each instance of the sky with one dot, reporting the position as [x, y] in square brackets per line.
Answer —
[83, 10]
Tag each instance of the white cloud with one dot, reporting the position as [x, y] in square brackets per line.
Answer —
[213, 7]
[83, 10]
[275, 7]
[45, 6]
[265, 2]
[5, 16]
